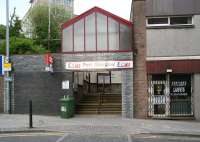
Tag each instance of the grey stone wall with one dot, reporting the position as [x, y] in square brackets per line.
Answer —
[43, 88]
[35, 63]
[31, 82]
[196, 96]
[127, 93]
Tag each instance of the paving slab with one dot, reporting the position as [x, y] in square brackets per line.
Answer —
[97, 124]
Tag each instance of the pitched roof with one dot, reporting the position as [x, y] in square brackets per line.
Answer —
[97, 10]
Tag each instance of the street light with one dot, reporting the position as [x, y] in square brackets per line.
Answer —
[49, 26]
[7, 98]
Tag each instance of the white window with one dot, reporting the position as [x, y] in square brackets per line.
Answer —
[158, 21]
[181, 20]
[169, 21]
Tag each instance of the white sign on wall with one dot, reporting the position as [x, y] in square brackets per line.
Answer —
[65, 84]
[99, 65]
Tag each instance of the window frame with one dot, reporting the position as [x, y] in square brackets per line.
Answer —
[169, 21]
[152, 25]
[181, 24]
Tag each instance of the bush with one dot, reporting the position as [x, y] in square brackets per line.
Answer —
[22, 46]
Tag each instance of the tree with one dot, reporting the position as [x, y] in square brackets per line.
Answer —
[2, 32]
[15, 25]
[18, 43]
[39, 20]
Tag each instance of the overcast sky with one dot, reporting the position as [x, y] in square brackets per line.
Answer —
[118, 7]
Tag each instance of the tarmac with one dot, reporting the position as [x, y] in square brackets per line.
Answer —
[97, 124]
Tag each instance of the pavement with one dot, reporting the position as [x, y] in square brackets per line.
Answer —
[97, 125]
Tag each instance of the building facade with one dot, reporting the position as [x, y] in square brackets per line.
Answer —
[97, 48]
[148, 68]
[68, 4]
[173, 61]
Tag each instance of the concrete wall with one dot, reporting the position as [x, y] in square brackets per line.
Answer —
[31, 82]
[197, 96]
[172, 7]
[174, 42]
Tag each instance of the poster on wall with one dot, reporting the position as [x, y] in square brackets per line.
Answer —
[180, 85]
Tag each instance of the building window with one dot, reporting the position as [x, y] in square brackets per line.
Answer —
[180, 20]
[158, 21]
[67, 2]
[169, 21]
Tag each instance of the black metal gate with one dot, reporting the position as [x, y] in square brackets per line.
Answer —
[170, 97]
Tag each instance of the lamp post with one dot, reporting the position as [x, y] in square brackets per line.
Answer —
[49, 26]
[7, 98]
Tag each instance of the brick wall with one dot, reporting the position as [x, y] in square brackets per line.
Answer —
[1, 95]
[139, 74]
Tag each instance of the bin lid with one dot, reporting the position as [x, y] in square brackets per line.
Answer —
[67, 98]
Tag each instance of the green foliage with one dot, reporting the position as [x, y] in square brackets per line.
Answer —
[18, 43]
[22, 46]
[2, 32]
[39, 20]
[15, 26]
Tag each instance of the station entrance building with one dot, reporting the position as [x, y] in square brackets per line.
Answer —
[97, 49]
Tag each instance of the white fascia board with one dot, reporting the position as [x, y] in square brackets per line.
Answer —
[173, 58]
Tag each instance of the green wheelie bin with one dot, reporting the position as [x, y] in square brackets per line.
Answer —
[67, 107]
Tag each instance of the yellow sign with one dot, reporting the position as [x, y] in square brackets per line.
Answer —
[7, 66]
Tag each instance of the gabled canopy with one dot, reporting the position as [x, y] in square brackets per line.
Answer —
[97, 10]
[97, 30]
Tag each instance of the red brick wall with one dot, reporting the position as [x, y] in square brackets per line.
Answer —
[1, 94]
[140, 96]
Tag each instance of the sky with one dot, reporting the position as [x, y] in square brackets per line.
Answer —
[119, 7]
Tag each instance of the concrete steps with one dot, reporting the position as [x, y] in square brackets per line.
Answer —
[104, 104]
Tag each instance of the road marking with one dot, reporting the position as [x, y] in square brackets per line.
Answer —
[62, 138]
[31, 134]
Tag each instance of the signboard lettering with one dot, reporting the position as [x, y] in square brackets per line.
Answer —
[180, 87]
[99, 65]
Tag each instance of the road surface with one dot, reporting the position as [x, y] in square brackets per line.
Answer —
[62, 137]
